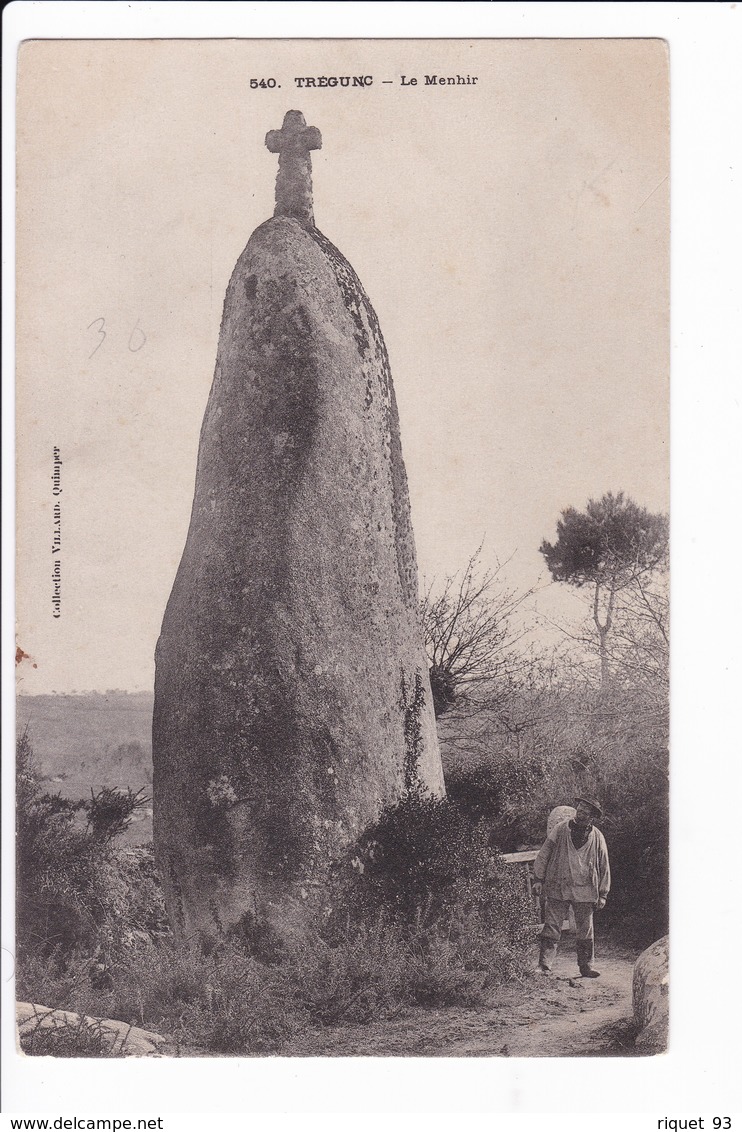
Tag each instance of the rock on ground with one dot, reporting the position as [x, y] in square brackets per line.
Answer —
[118, 1038]
[292, 699]
[650, 996]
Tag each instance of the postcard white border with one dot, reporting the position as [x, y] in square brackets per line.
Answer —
[699, 1075]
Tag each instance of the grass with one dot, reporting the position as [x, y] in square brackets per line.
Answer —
[229, 1002]
[49, 1036]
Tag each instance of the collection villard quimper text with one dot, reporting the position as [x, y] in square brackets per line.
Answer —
[56, 478]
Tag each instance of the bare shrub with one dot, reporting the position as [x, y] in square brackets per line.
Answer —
[78, 1037]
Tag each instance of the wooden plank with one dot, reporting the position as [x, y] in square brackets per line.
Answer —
[520, 858]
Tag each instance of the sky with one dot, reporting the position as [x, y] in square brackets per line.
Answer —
[512, 235]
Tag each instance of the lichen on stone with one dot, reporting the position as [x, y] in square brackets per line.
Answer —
[220, 791]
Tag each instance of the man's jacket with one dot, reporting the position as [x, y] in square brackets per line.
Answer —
[579, 875]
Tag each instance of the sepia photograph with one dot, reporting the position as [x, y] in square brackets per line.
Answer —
[342, 548]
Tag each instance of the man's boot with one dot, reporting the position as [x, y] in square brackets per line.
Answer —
[547, 952]
[585, 956]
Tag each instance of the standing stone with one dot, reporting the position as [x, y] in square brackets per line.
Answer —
[292, 700]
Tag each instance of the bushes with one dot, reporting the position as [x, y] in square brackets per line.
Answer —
[232, 1003]
[359, 975]
[424, 912]
[224, 1002]
[423, 857]
[638, 833]
[75, 892]
[461, 917]
[500, 793]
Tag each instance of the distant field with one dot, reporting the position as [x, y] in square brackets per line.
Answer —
[83, 742]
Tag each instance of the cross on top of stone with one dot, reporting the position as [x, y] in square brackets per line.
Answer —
[293, 143]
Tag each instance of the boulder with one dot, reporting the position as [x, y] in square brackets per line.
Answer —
[117, 1038]
[292, 698]
[650, 996]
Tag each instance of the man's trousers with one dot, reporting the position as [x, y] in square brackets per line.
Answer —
[556, 911]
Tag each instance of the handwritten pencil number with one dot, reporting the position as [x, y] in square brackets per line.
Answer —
[100, 323]
[137, 339]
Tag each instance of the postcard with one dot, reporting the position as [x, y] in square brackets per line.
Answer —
[342, 588]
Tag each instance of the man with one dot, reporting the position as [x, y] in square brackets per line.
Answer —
[572, 867]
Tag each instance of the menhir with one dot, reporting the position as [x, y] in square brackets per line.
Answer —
[292, 700]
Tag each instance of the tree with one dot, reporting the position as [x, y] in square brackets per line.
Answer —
[639, 647]
[470, 637]
[612, 547]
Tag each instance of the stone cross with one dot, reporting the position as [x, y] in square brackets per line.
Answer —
[293, 143]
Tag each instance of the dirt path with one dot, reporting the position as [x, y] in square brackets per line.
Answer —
[559, 1016]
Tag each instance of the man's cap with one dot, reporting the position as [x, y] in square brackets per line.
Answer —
[596, 806]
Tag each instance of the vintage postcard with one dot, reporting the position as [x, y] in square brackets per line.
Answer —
[342, 548]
